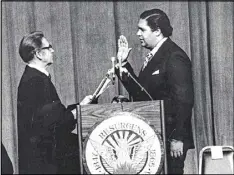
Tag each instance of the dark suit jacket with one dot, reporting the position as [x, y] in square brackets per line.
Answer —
[167, 77]
[42, 121]
[6, 164]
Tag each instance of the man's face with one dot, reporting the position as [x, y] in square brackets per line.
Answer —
[146, 35]
[46, 52]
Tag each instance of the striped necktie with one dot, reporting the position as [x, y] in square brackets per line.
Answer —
[147, 59]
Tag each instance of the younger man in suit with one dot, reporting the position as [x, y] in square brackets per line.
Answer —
[166, 75]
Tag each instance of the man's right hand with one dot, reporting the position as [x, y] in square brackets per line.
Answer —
[123, 50]
[87, 100]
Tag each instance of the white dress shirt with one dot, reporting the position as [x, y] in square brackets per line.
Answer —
[155, 49]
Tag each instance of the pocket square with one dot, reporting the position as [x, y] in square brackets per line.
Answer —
[155, 72]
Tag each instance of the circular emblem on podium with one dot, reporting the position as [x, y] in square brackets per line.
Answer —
[124, 143]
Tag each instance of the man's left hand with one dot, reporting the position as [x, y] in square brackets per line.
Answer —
[176, 148]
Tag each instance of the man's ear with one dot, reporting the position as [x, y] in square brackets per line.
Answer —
[38, 55]
[158, 32]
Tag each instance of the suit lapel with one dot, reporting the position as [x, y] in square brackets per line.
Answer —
[156, 61]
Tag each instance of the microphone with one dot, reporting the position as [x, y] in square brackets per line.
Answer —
[113, 67]
[120, 67]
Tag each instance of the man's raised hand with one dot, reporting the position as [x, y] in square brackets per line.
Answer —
[123, 50]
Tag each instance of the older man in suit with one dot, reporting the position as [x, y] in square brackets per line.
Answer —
[165, 75]
[44, 124]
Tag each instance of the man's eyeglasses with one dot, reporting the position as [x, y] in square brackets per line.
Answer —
[49, 47]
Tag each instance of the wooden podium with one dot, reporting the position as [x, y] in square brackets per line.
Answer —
[89, 115]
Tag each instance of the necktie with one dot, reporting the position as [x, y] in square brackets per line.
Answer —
[49, 76]
[147, 59]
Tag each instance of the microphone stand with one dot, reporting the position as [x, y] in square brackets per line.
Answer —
[142, 88]
[104, 84]
[100, 87]
[113, 59]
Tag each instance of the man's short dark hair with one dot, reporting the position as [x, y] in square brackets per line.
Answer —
[156, 18]
[29, 44]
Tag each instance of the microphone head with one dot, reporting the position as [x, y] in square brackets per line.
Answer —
[113, 67]
[113, 59]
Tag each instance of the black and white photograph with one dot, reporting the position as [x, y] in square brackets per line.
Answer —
[117, 87]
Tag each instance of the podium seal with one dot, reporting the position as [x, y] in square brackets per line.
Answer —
[124, 143]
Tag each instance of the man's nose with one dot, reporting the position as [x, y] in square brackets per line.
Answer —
[138, 33]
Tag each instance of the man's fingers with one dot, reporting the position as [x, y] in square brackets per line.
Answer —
[122, 41]
[176, 153]
[181, 153]
[171, 153]
[87, 100]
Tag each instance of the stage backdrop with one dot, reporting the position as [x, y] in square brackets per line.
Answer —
[84, 36]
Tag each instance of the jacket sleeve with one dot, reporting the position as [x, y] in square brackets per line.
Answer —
[180, 82]
[128, 82]
[42, 112]
[55, 113]
[7, 166]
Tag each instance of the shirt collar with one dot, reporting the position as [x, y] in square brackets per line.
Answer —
[39, 68]
[155, 49]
